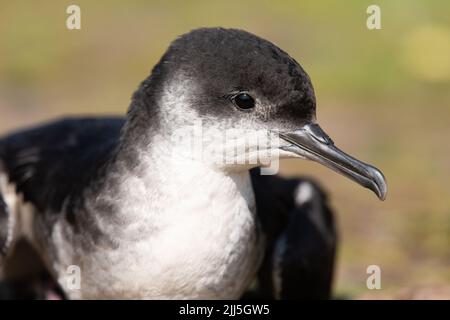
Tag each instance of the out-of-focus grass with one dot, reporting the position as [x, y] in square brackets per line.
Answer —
[383, 95]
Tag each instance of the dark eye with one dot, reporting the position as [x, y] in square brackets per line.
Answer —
[244, 101]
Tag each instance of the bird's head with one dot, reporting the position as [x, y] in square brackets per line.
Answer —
[252, 101]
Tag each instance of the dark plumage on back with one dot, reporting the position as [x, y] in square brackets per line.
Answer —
[301, 239]
[53, 163]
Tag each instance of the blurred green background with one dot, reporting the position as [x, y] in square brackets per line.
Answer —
[383, 95]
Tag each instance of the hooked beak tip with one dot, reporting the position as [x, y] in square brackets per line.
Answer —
[380, 185]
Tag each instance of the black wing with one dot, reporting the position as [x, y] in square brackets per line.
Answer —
[53, 161]
[301, 239]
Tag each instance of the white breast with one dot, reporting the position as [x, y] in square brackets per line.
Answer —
[190, 237]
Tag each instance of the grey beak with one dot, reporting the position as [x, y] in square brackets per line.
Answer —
[313, 143]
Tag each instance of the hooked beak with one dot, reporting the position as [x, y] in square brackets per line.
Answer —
[313, 143]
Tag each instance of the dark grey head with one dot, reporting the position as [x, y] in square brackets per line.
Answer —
[232, 79]
[220, 67]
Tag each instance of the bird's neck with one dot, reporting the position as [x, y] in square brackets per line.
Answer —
[165, 179]
[153, 175]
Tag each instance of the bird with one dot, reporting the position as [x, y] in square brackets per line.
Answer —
[179, 198]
